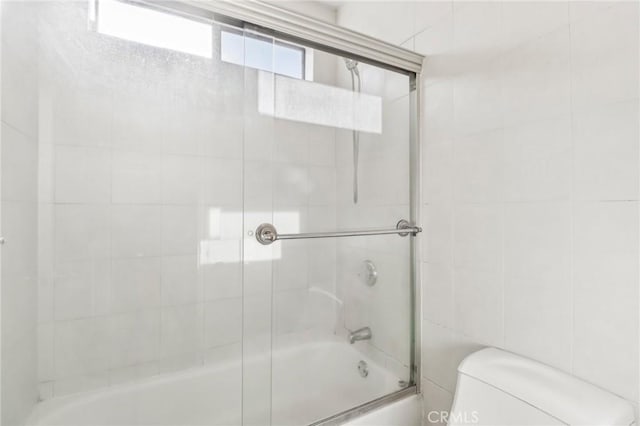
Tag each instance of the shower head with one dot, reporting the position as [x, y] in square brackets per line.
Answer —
[352, 65]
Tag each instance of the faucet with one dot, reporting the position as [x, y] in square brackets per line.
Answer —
[363, 333]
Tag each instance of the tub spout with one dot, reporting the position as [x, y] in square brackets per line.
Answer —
[363, 333]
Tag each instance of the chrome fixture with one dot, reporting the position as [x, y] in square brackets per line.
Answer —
[363, 333]
[2, 241]
[266, 233]
[369, 273]
[363, 368]
[352, 66]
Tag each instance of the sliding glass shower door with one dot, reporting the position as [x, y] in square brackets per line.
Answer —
[327, 319]
[145, 148]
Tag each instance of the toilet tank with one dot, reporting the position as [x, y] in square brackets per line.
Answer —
[499, 388]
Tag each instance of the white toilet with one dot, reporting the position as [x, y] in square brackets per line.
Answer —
[499, 388]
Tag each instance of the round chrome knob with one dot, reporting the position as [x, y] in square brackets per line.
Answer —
[266, 234]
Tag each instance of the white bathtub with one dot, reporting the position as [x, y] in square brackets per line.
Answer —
[309, 382]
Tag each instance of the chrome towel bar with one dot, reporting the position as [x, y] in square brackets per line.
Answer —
[266, 233]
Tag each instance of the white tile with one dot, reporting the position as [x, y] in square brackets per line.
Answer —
[478, 101]
[135, 284]
[82, 117]
[389, 306]
[290, 311]
[81, 232]
[179, 230]
[536, 79]
[222, 182]
[604, 56]
[81, 347]
[20, 83]
[430, 13]
[181, 179]
[258, 184]
[259, 134]
[223, 354]
[606, 286]
[81, 289]
[221, 280]
[436, 44]
[322, 186]
[290, 144]
[477, 28]
[322, 146]
[437, 403]
[256, 318]
[478, 234]
[438, 172]
[606, 153]
[538, 163]
[45, 390]
[537, 301]
[222, 322]
[82, 174]
[181, 329]
[526, 20]
[137, 177]
[478, 311]
[291, 185]
[78, 384]
[140, 125]
[128, 374]
[19, 165]
[579, 10]
[46, 333]
[228, 133]
[437, 111]
[180, 284]
[290, 271]
[442, 352]
[437, 235]
[479, 167]
[437, 293]
[135, 338]
[380, 19]
[321, 264]
[605, 227]
[136, 230]
[180, 362]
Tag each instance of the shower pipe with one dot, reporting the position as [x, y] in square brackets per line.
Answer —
[352, 66]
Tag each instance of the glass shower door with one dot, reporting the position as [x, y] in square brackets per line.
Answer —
[327, 321]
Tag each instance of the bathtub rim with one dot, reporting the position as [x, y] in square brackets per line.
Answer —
[50, 406]
[366, 408]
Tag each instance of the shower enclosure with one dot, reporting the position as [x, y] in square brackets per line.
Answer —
[209, 213]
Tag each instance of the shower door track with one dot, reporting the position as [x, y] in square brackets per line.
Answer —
[355, 412]
[295, 27]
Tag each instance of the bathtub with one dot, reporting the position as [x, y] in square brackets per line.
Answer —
[309, 382]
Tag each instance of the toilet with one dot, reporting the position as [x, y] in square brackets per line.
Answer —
[500, 388]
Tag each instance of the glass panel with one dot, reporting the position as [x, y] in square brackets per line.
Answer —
[136, 166]
[305, 137]
[132, 161]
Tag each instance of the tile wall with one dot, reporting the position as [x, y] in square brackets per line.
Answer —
[530, 141]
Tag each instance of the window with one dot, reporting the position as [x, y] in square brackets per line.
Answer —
[152, 27]
[263, 53]
[165, 30]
